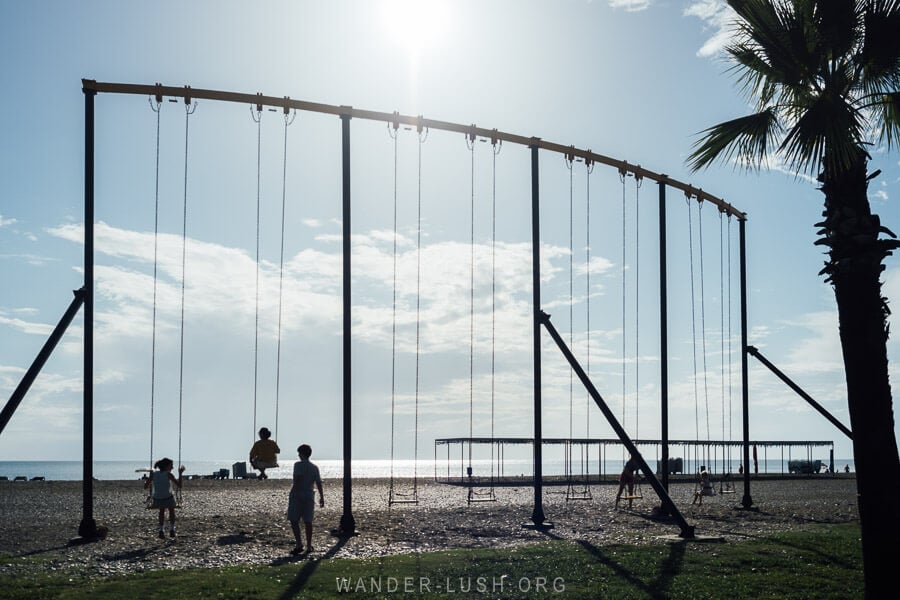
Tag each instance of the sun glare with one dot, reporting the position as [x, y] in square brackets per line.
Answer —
[416, 25]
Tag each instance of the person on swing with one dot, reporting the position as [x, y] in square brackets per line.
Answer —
[626, 479]
[161, 484]
[264, 453]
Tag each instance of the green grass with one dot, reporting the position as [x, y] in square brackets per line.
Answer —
[821, 562]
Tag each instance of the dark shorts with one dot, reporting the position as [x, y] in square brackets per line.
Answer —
[301, 508]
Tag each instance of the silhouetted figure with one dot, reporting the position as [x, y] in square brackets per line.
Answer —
[264, 453]
[626, 479]
[161, 484]
[301, 502]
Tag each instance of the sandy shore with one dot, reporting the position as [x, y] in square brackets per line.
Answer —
[242, 521]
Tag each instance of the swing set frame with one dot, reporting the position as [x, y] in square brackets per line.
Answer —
[88, 529]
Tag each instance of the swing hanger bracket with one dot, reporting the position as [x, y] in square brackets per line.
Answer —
[190, 105]
[496, 142]
[471, 136]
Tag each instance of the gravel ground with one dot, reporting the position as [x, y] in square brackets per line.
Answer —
[242, 521]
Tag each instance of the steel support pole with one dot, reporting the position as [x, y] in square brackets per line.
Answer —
[537, 516]
[663, 339]
[747, 500]
[348, 523]
[88, 527]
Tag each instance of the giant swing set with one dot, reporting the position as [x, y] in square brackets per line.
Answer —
[483, 490]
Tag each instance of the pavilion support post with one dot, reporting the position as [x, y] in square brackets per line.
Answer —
[663, 339]
[87, 530]
[537, 516]
[747, 500]
[348, 523]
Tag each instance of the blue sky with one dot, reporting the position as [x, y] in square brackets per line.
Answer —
[631, 80]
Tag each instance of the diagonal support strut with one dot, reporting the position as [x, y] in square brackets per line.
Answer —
[687, 531]
[31, 374]
[753, 351]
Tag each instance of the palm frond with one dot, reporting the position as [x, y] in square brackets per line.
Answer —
[772, 30]
[826, 133]
[745, 139]
[889, 116]
[879, 56]
[837, 27]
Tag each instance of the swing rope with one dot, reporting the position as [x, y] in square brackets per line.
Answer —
[730, 352]
[725, 488]
[584, 492]
[473, 495]
[622, 175]
[470, 143]
[392, 493]
[638, 180]
[589, 168]
[495, 146]
[693, 319]
[257, 118]
[722, 313]
[157, 109]
[703, 318]
[188, 111]
[288, 119]
[394, 135]
[569, 160]
[421, 139]
[636, 493]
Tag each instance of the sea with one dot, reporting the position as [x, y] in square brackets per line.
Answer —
[66, 470]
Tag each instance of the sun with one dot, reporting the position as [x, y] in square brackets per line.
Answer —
[415, 25]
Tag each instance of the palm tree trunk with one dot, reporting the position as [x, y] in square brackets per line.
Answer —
[854, 269]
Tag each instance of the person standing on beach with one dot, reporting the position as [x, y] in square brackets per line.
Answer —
[264, 453]
[161, 496]
[302, 498]
[626, 478]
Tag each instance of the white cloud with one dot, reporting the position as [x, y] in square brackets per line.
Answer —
[717, 17]
[6, 222]
[26, 326]
[630, 5]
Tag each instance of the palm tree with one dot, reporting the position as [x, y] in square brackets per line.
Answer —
[825, 79]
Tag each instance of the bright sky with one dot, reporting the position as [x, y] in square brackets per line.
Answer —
[631, 79]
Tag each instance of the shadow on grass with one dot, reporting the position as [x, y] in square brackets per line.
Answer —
[666, 575]
[308, 569]
[669, 568]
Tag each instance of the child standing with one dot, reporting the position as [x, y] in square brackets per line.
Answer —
[263, 454]
[161, 484]
[302, 498]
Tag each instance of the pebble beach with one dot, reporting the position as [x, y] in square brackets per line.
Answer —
[229, 522]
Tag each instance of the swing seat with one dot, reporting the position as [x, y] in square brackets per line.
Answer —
[410, 497]
[579, 494]
[486, 496]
